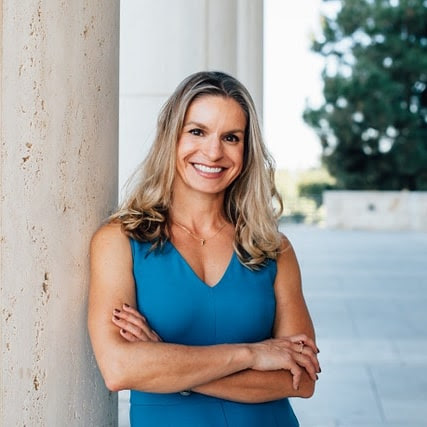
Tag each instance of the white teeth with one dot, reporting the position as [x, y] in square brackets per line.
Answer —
[207, 169]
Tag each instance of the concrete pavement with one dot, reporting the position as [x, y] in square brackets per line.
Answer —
[367, 293]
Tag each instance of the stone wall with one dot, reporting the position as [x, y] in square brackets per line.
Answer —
[376, 210]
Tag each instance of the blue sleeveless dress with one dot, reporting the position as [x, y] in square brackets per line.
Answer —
[182, 309]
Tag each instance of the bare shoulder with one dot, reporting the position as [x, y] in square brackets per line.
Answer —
[111, 278]
[109, 233]
[292, 315]
[110, 251]
[110, 238]
[287, 256]
[111, 284]
[288, 278]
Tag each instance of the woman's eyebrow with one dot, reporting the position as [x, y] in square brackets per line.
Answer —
[235, 131]
[192, 123]
[202, 126]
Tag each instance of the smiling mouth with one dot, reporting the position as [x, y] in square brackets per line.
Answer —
[207, 169]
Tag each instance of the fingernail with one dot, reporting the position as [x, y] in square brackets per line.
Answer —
[126, 305]
[115, 317]
[116, 310]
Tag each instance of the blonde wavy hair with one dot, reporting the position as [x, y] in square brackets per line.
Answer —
[251, 203]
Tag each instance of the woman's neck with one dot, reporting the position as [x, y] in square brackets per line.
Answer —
[200, 213]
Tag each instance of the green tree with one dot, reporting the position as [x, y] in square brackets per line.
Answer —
[373, 122]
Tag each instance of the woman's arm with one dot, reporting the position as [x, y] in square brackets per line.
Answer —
[292, 316]
[251, 386]
[152, 365]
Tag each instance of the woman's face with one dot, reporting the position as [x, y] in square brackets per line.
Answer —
[209, 153]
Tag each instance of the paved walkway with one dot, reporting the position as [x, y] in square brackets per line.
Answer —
[367, 292]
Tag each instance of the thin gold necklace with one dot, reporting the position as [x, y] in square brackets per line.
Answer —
[194, 236]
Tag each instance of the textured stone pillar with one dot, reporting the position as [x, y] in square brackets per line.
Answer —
[58, 157]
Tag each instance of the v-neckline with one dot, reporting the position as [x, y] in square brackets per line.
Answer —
[206, 285]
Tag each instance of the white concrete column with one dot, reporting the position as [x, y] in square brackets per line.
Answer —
[221, 36]
[164, 41]
[250, 47]
[58, 157]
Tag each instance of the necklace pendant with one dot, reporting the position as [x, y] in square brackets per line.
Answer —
[195, 236]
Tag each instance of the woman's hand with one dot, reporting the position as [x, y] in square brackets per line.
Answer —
[292, 353]
[133, 325]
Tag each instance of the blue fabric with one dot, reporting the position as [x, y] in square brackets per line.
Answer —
[182, 309]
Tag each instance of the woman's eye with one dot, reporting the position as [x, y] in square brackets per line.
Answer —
[196, 132]
[231, 138]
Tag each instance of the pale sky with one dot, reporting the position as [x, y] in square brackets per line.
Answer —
[291, 75]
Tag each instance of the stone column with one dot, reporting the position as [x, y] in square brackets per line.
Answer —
[58, 157]
[250, 47]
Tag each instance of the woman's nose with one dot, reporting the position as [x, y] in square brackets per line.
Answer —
[213, 149]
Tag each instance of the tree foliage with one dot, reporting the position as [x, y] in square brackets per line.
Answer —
[373, 122]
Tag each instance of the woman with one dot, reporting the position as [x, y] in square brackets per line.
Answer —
[195, 298]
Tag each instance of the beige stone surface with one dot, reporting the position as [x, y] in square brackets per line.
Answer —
[59, 110]
[376, 210]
